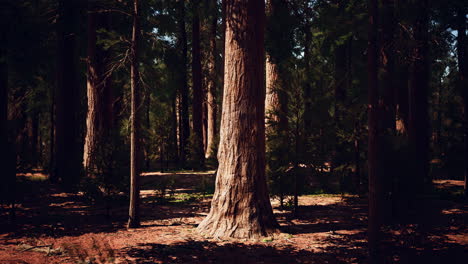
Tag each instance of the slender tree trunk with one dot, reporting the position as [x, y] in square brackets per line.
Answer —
[463, 75]
[183, 89]
[272, 100]
[307, 85]
[175, 137]
[374, 158]
[68, 166]
[418, 129]
[387, 102]
[99, 115]
[135, 142]
[211, 89]
[241, 207]
[197, 103]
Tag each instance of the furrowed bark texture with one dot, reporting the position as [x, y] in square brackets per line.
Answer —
[99, 116]
[241, 207]
[135, 142]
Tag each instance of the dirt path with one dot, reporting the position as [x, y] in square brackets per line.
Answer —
[55, 227]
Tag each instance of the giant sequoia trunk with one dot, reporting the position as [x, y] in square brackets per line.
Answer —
[197, 104]
[418, 129]
[68, 165]
[211, 89]
[463, 75]
[184, 126]
[99, 116]
[135, 115]
[374, 158]
[241, 207]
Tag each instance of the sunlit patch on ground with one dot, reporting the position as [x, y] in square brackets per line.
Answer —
[58, 227]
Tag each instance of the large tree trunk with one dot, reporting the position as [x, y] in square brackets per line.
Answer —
[135, 115]
[418, 129]
[197, 103]
[241, 207]
[184, 132]
[68, 165]
[211, 89]
[463, 75]
[99, 116]
[374, 161]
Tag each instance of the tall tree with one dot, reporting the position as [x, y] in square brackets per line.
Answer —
[241, 207]
[99, 115]
[374, 157]
[418, 129]
[463, 81]
[68, 165]
[197, 103]
[184, 126]
[135, 115]
[212, 108]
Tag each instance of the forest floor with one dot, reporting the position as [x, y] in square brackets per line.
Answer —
[57, 227]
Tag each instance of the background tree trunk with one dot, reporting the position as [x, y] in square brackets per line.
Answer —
[99, 115]
[374, 231]
[463, 75]
[68, 165]
[183, 90]
[211, 89]
[418, 129]
[197, 103]
[136, 109]
[241, 207]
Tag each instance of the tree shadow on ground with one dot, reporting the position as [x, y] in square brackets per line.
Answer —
[45, 210]
[209, 252]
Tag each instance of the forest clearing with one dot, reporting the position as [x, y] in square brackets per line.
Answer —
[233, 131]
[331, 228]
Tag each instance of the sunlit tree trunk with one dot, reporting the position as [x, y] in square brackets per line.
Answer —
[197, 103]
[99, 115]
[241, 207]
[211, 89]
[136, 109]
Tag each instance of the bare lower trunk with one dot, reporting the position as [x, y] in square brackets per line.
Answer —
[241, 207]
[463, 75]
[99, 115]
[374, 222]
[211, 89]
[184, 131]
[197, 103]
[418, 129]
[68, 165]
[134, 208]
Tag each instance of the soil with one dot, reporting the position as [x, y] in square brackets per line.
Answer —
[57, 227]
